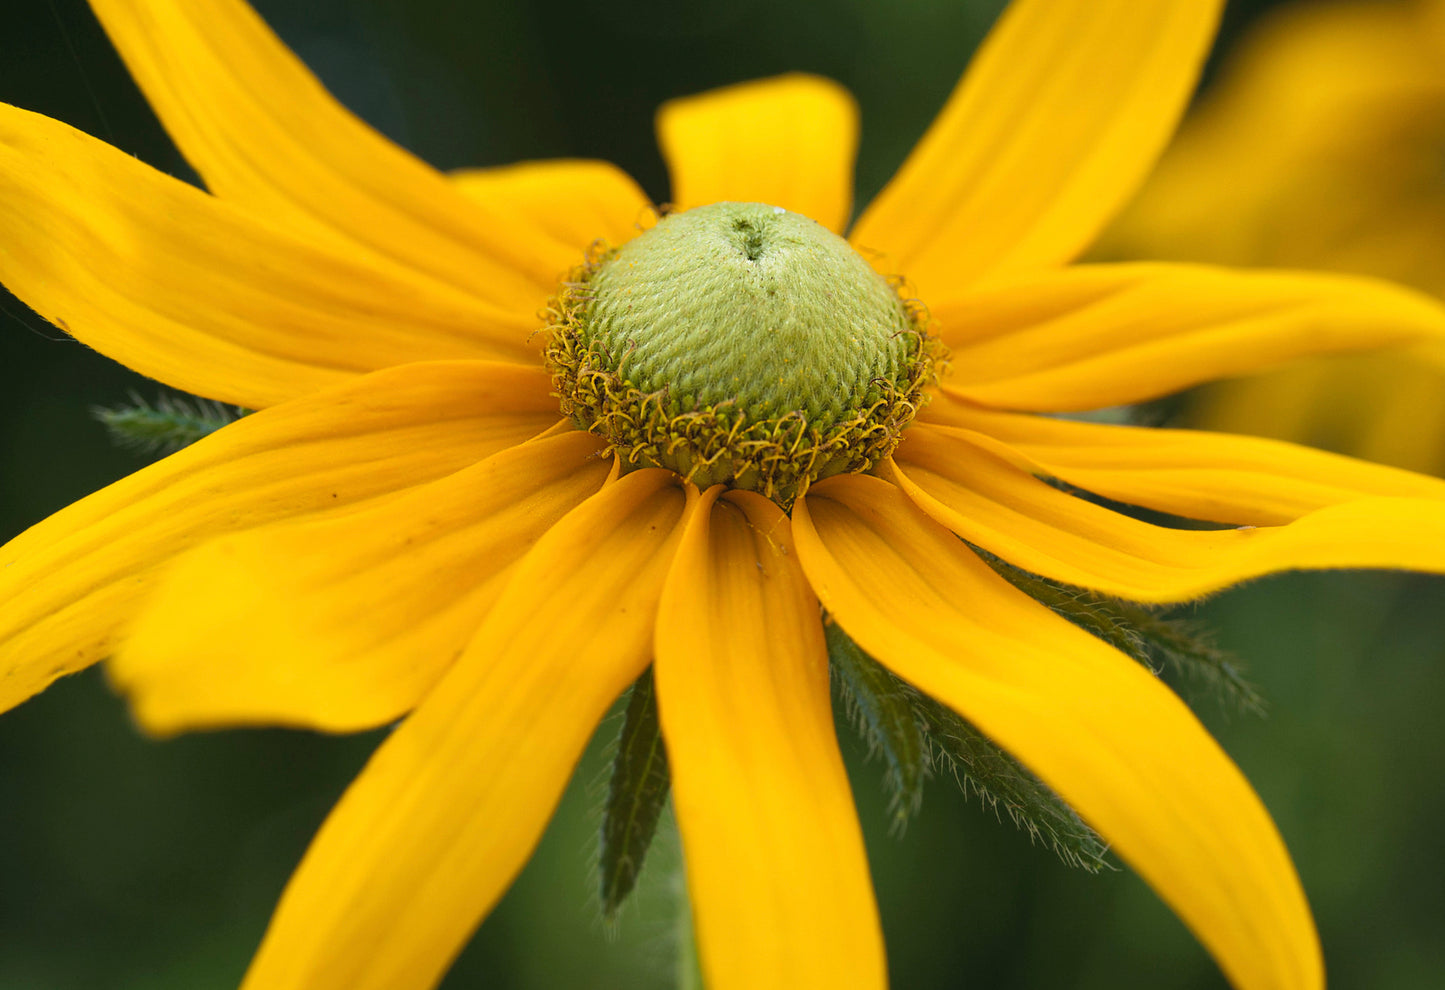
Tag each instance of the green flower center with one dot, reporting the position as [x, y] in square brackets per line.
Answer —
[740, 344]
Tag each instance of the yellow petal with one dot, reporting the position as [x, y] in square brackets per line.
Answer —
[775, 862]
[1189, 473]
[1302, 151]
[190, 290]
[1058, 119]
[449, 808]
[71, 582]
[998, 506]
[1093, 724]
[263, 132]
[344, 623]
[578, 202]
[1102, 335]
[787, 141]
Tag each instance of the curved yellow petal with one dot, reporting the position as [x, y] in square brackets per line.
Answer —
[787, 141]
[190, 290]
[1093, 724]
[1102, 335]
[996, 505]
[1191, 473]
[449, 808]
[776, 869]
[577, 201]
[70, 583]
[263, 132]
[1057, 120]
[344, 623]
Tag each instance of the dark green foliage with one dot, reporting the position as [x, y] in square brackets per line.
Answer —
[167, 425]
[1149, 635]
[916, 736]
[636, 795]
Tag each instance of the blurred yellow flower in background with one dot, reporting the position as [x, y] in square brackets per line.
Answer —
[409, 529]
[1322, 145]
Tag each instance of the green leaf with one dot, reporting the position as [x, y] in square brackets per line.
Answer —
[1146, 633]
[636, 795]
[882, 710]
[916, 735]
[167, 425]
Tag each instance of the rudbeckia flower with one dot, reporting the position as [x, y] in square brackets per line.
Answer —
[725, 427]
[1322, 145]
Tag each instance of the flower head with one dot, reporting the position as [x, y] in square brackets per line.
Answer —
[744, 345]
[424, 521]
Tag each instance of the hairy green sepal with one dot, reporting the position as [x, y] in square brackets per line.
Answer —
[636, 795]
[167, 425]
[1154, 638]
[917, 736]
[1002, 782]
[884, 710]
[742, 344]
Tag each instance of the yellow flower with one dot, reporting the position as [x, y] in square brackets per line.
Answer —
[416, 533]
[1321, 146]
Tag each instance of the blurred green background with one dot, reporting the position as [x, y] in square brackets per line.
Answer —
[130, 863]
